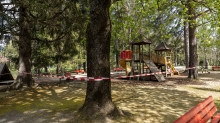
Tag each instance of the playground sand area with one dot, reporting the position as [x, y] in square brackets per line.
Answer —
[55, 101]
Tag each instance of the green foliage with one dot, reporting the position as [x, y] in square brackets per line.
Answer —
[11, 52]
[58, 27]
[163, 21]
[157, 20]
[201, 62]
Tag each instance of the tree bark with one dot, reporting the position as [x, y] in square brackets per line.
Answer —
[45, 69]
[24, 75]
[193, 61]
[59, 69]
[186, 44]
[117, 53]
[98, 101]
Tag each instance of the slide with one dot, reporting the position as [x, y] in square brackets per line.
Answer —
[161, 60]
[127, 68]
[173, 70]
[153, 68]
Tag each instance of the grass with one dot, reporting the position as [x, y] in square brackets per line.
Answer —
[47, 98]
[146, 102]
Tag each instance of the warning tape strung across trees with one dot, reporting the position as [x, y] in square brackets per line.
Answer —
[101, 78]
[105, 78]
[189, 68]
[96, 78]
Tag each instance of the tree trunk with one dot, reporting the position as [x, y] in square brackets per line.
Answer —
[217, 62]
[59, 69]
[85, 67]
[186, 44]
[45, 69]
[117, 53]
[98, 101]
[24, 76]
[193, 61]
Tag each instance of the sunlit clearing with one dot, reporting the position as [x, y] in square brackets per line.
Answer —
[30, 112]
[49, 93]
[30, 99]
[206, 78]
[60, 90]
[29, 94]
[26, 103]
[38, 95]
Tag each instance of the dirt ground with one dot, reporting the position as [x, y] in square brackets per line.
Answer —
[55, 101]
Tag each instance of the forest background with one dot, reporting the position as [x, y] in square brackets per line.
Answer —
[54, 44]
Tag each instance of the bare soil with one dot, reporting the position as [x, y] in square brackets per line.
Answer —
[55, 101]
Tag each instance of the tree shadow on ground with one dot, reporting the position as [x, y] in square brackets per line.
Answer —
[45, 104]
[153, 104]
[144, 102]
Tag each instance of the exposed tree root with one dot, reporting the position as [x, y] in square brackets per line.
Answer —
[98, 114]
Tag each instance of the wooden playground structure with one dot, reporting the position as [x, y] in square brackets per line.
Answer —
[139, 61]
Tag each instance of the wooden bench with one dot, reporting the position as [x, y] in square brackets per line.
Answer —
[118, 69]
[215, 68]
[79, 71]
[201, 113]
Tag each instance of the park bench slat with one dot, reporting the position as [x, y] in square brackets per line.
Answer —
[205, 114]
[216, 118]
[79, 71]
[188, 116]
[209, 114]
[201, 113]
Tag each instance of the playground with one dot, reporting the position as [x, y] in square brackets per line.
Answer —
[147, 88]
[141, 101]
[140, 60]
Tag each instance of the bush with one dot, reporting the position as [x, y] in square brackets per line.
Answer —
[201, 63]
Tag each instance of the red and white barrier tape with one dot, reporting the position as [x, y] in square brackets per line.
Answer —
[97, 78]
[189, 68]
[148, 74]
[80, 79]
[103, 78]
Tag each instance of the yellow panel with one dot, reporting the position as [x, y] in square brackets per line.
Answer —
[122, 63]
[158, 59]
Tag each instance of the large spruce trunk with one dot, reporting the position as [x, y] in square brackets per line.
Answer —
[98, 101]
[24, 70]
